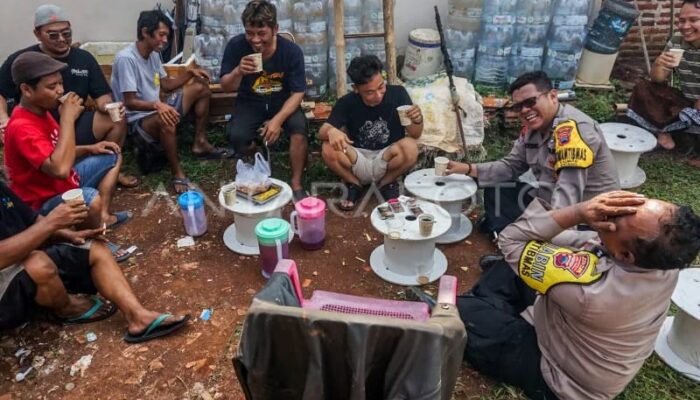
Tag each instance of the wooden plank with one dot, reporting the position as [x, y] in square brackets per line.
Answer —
[340, 73]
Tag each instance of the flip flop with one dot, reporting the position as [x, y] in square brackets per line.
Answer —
[390, 190]
[155, 329]
[122, 218]
[89, 315]
[114, 248]
[299, 194]
[183, 182]
[217, 153]
[354, 194]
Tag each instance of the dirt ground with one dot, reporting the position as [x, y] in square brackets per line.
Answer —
[208, 275]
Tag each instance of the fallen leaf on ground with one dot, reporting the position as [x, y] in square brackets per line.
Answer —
[465, 269]
[315, 273]
[192, 338]
[468, 242]
[196, 365]
[326, 251]
[156, 365]
[242, 311]
[307, 283]
[367, 269]
[250, 291]
[190, 266]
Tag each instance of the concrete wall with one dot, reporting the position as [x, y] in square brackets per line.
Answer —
[115, 20]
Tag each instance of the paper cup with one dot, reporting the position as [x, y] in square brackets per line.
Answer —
[63, 98]
[72, 195]
[403, 117]
[113, 110]
[257, 57]
[441, 165]
[425, 224]
[677, 56]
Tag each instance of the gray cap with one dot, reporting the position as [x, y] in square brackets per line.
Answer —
[48, 14]
[34, 64]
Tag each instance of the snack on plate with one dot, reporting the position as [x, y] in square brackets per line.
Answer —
[252, 189]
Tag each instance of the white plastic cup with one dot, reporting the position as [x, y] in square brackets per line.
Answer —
[257, 58]
[441, 165]
[230, 195]
[677, 56]
[72, 195]
[425, 224]
[403, 115]
[113, 110]
[63, 98]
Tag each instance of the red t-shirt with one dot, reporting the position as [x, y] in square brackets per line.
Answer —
[29, 141]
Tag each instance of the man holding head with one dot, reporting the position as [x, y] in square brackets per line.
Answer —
[573, 315]
[269, 95]
[138, 79]
[564, 147]
[53, 30]
[364, 140]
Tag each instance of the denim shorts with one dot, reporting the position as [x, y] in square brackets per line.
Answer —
[91, 170]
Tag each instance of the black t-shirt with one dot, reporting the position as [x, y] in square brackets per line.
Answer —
[15, 215]
[282, 74]
[83, 75]
[371, 128]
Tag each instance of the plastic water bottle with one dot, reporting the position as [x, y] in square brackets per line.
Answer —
[373, 16]
[492, 65]
[462, 33]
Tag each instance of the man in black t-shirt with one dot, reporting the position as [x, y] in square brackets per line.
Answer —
[364, 141]
[35, 273]
[83, 77]
[268, 101]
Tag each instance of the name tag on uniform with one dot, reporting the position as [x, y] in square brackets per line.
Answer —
[569, 147]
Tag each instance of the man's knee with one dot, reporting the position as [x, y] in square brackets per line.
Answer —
[99, 252]
[328, 153]
[409, 149]
[297, 140]
[40, 267]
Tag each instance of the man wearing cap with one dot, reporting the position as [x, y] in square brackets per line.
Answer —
[40, 156]
[138, 79]
[82, 77]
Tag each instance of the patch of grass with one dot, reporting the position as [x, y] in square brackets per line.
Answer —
[670, 178]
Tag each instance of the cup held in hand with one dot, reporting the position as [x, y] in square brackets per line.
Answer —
[441, 165]
[113, 110]
[403, 115]
[677, 56]
[73, 195]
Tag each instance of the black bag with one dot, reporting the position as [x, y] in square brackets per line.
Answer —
[150, 156]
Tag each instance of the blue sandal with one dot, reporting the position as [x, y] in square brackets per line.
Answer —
[155, 329]
[89, 315]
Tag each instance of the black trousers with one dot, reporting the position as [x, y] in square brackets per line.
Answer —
[503, 204]
[501, 344]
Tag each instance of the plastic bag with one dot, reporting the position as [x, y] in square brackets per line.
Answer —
[253, 179]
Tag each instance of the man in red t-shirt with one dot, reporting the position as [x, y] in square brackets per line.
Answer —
[40, 155]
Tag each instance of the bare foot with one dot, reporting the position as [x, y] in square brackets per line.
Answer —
[666, 141]
[694, 163]
[128, 181]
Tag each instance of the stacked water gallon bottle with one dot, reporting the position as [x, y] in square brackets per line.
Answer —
[462, 28]
[310, 30]
[532, 22]
[497, 36]
[220, 21]
[567, 36]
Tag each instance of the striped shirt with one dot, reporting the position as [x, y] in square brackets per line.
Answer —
[689, 69]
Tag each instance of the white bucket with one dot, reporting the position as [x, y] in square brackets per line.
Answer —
[423, 55]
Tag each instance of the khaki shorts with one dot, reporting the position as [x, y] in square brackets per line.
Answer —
[370, 165]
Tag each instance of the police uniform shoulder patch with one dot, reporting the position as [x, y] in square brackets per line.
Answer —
[544, 265]
[569, 147]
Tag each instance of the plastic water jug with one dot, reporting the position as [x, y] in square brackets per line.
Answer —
[273, 241]
[309, 222]
[193, 215]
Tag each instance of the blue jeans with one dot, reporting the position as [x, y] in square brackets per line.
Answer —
[91, 170]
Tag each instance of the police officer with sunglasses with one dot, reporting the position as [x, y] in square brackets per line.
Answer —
[563, 146]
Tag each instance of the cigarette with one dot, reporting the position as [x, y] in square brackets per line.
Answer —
[266, 143]
[345, 150]
[104, 227]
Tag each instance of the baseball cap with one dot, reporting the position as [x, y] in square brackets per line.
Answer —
[33, 64]
[48, 14]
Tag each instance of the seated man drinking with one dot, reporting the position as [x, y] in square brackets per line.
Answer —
[35, 274]
[40, 155]
[363, 141]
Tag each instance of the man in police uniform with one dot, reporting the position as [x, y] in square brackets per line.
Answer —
[581, 313]
[564, 148]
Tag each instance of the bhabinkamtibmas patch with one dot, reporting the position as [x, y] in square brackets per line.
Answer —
[543, 265]
[569, 147]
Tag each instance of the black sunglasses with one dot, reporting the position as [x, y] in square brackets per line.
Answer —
[54, 35]
[529, 103]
